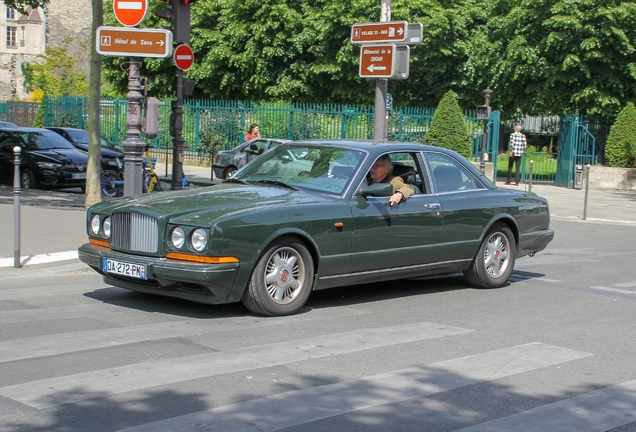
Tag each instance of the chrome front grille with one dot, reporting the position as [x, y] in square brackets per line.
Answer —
[134, 232]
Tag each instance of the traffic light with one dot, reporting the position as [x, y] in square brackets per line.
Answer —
[179, 16]
[152, 129]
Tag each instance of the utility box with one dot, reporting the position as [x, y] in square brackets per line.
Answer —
[578, 177]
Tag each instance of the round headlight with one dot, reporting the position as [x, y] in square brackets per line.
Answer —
[106, 227]
[95, 224]
[177, 238]
[199, 239]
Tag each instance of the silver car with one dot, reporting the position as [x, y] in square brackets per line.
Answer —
[227, 162]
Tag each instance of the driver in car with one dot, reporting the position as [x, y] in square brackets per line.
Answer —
[381, 173]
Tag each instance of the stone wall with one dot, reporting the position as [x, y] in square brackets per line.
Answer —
[622, 179]
[70, 21]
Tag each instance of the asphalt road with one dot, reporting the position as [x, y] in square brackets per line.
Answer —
[552, 351]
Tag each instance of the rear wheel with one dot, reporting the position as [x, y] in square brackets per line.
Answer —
[282, 279]
[228, 172]
[495, 259]
[27, 179]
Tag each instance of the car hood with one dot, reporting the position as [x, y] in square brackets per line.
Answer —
[63, 156]
[204, 206]
[103, 150]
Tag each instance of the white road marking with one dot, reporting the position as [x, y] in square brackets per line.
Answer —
[626, 284]
[40, 259]
[616, 290]
[316, 403]
[598, 410]
[74, 388]
[39, 346]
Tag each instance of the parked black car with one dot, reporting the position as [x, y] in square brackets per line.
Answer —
[6, 124]
[227, 162]
[112, 158]
[47, 160]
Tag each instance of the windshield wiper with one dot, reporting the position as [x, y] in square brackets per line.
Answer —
[279, 183]
[233, 180]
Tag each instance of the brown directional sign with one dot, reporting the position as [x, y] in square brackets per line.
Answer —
[377, 61]
[133, 42]
[395, 31]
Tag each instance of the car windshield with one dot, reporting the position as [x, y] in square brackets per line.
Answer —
[326, 169]
[81, 137]
[43, 140]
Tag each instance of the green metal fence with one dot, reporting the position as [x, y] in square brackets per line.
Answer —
[218, 124]
[3, 110]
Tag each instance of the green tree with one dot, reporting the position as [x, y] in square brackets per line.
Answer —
[573, 56]
[448, 127]
[57, 76]
[620, 149]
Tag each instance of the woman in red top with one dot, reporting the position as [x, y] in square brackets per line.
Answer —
[252, 133]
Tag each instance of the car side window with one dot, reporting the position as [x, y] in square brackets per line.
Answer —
[448, 175]
[406, 166]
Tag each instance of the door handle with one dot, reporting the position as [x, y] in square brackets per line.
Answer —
[432, 206]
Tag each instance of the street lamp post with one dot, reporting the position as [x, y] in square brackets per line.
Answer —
[483, 112]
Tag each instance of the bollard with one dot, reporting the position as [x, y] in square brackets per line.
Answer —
[530, 177]
[16, 207]
[587, 189]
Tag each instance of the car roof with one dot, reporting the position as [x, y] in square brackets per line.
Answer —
[66, 128]
[384, 146]
[28, 129]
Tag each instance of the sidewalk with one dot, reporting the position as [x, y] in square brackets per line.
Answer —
[54, 221]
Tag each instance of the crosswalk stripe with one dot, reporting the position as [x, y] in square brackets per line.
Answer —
[40, 259]
[599, 410]
[40, 346]
[74, 388]
[316, 403]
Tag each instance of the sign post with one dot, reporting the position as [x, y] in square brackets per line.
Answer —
[183, 58]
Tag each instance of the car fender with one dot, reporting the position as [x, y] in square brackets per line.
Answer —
[505, 218]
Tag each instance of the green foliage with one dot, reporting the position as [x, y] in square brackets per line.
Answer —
[562, 56]
[38, 121]
[620, 149]
[448, 127]
[57, 75]
[21, 5]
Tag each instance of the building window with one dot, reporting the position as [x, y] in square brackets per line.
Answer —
[11, 36]
[11, 14]
[22, 36]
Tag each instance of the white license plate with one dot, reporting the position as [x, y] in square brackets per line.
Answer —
[78, 176]
[125, 269]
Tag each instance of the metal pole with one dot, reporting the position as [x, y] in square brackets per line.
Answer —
[16, 207]
[133, 145]
[587, 189]
[530, 181]
[381, 87]
[178, 141]
[484, 142]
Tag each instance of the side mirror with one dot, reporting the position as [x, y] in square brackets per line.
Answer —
[378, 189]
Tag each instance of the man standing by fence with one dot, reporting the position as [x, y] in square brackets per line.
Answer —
[517, 147]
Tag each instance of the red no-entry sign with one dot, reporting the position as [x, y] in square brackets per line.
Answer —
[130, 12]
[183, 57]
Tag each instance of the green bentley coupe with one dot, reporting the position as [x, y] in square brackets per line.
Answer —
[308, 216]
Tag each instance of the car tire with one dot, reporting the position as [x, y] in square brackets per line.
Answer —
[27, 179]
[229, 171]
[282, 279]
[495, 259]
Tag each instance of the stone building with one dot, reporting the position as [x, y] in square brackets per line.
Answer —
[23, 38]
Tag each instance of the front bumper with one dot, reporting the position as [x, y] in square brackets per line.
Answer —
[534, 242]
[198, 282]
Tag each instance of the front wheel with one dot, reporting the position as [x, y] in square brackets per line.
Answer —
[282, 279]
[495, 259]
[110, 184]
[27, 179]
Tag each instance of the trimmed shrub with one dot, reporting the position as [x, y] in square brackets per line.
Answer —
[620, 149]
[448, 127]
[38, 121]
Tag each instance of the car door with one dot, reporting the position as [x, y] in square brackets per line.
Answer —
[406, 234]
[464, 205]
[6, 158]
